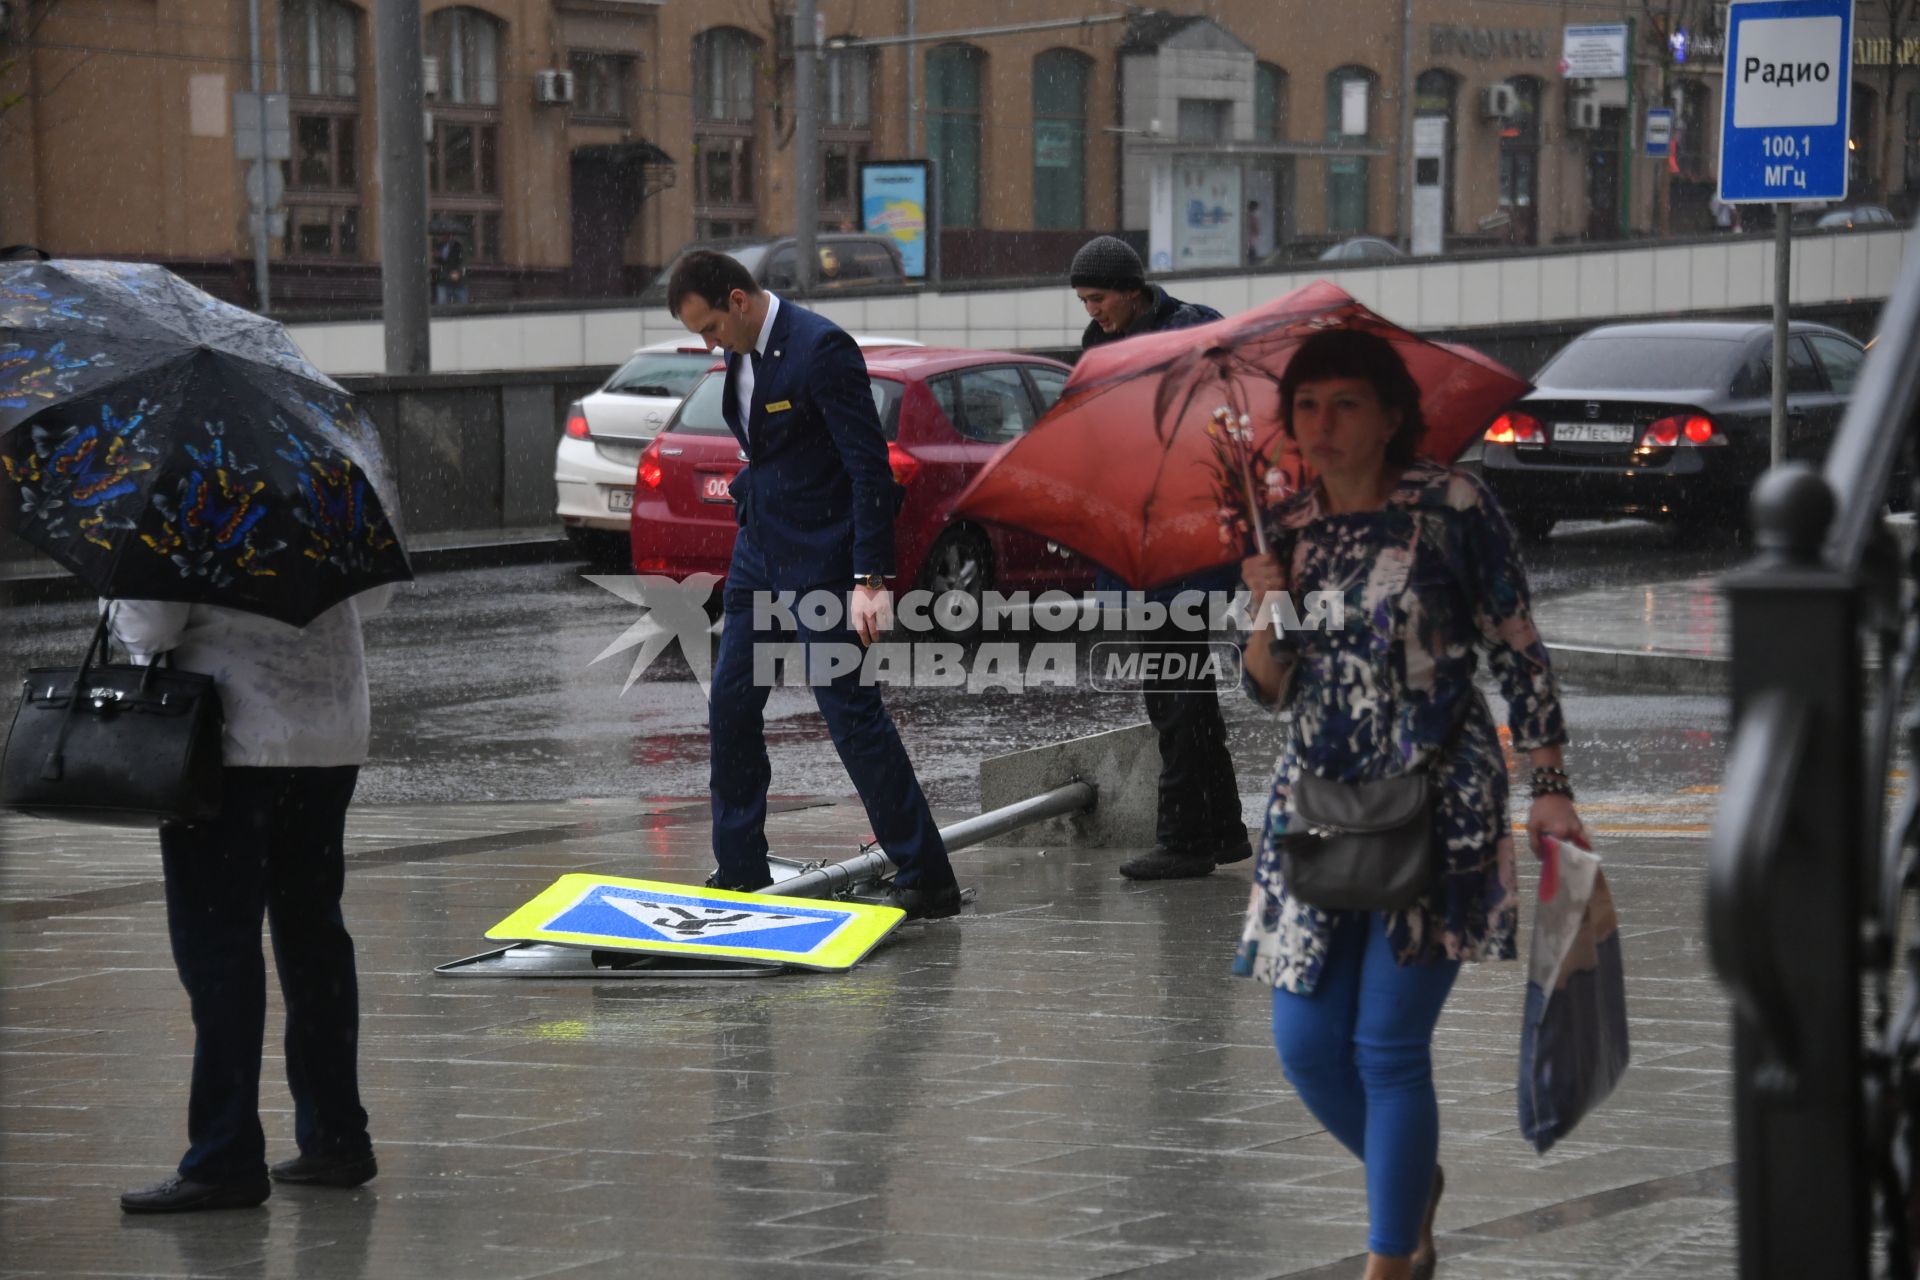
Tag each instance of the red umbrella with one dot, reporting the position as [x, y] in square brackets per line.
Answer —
[1161, 445]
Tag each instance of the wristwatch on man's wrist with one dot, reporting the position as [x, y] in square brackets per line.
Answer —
[871, 581]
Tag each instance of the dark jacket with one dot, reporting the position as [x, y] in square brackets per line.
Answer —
[1167, 312]
[817, 496]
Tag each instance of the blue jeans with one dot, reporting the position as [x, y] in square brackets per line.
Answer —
[1359, 1050]
[274, 850]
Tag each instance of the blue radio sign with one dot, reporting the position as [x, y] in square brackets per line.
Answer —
[1783, 115]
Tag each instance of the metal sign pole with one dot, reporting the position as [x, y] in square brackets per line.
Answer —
[258, 192]
[806, 146]
[1782, 281]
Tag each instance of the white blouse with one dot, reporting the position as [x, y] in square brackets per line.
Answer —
[292, 696]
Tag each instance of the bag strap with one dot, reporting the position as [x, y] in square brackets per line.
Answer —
[56, 762]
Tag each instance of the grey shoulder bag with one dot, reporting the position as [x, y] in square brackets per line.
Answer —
[1360, 846]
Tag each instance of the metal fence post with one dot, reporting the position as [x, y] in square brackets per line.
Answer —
[1784, 897]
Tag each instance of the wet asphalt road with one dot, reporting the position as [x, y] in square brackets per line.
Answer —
[486, 687]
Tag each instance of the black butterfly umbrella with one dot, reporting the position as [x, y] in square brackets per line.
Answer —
[164, 445]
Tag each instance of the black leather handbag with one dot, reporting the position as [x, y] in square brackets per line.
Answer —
[1360, 846]
[114, 743]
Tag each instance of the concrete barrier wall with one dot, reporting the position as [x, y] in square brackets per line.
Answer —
[1550, 288]
[473, 451]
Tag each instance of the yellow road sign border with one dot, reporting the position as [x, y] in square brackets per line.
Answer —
[865, 926]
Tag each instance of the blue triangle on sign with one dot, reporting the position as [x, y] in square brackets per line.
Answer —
[612, 911]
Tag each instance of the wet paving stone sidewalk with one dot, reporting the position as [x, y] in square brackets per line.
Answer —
[1063, 1083]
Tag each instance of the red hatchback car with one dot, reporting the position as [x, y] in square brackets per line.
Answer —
[944, 411]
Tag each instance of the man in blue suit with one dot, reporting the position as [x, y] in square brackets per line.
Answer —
[816, 504]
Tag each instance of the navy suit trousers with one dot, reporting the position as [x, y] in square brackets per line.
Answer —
[275, 850]
[862, 731]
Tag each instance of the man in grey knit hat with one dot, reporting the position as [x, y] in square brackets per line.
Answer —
[1198, 824]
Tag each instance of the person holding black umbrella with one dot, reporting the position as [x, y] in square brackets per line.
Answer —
[1198, 825]
[231, 505]
[297, 724]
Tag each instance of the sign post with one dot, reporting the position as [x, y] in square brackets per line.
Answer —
[1783, 131]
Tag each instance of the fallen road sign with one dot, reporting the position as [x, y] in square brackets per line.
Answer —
[613, 914]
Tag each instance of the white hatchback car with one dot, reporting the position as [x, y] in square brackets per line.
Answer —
[593, 468]
[600, 448]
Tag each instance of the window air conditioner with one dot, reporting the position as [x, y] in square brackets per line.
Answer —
[430, 77]
[1583, 112]
[553, 86]
[1499, 101]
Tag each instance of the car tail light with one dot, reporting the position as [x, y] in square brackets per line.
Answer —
[1679, 429]
[577, 421]
[650, 474]
[1516, 428]
[904, 464]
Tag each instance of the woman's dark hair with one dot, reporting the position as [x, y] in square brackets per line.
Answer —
[709, 276]
[1354, 353]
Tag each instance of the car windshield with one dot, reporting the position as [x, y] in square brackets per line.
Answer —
[1642, 362]
[699, 414]
[660, 373]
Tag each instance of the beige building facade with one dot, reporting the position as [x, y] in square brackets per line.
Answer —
[574, 145]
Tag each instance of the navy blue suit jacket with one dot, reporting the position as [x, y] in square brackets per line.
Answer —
[817, 496]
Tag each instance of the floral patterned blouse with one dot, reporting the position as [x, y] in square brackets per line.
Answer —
[1428, 581]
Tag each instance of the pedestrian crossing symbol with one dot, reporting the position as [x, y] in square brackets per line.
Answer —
[612, 914]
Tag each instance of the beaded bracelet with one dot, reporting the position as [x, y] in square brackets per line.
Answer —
[1551, 782]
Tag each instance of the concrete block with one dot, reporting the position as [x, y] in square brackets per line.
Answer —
[1439, 295]
[1520, 290]
[528, 434]
[1123, 763]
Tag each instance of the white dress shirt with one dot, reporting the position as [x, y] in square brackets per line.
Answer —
[743, 365]
[292, 696]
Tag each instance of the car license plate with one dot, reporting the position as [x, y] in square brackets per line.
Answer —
[713, 488]
[619, 499]
[1593, 433]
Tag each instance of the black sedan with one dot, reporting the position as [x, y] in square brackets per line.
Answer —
[1666, 421]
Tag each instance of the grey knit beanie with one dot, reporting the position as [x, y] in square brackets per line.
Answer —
[1107, 262]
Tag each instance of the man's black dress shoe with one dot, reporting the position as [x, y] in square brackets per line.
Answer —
[925, 904]
[713, 882]
[326, 1171]
[184, 1195]
[1165, 864]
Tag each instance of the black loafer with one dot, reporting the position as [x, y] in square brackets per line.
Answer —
[713, 882]
[1165, 864]
[327, 1171]
[184, 1195]
[925, 904]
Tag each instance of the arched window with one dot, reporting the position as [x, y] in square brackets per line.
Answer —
[1060, 79]
[1269, 103]
[1349, 118]
[724, 199]
[1436, 95]
[954, 76]
[723, 75]
[321, 76]
[463, 159]
[322, 46]
[846, 132]
[467, 44]
[1520, 161]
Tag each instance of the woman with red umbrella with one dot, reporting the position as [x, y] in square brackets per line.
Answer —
[1427, 567]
